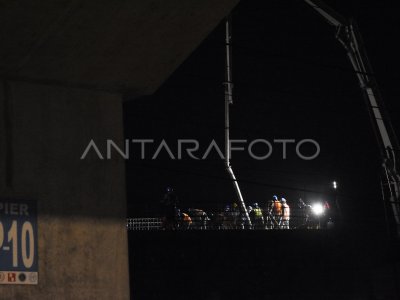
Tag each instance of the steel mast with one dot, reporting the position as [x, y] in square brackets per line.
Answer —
[228, 101]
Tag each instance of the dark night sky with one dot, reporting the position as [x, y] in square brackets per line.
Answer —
[292, 80]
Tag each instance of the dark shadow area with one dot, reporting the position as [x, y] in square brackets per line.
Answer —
[342, 264]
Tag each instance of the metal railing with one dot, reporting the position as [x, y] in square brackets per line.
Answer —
[299, 219]
[144, 224]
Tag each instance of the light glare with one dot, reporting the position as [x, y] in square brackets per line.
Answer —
[318, 209]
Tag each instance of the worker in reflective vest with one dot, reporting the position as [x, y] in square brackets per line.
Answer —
[258, 217]
[277, 213]
[285, 214]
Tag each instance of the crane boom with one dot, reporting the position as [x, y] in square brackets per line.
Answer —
[328, 13]
[348, 35]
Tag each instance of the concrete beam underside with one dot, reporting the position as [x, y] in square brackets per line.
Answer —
[129, 46]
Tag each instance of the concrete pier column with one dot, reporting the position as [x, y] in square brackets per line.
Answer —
[82, 238]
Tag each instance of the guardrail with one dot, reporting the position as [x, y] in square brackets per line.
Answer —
[144, 224]
[229, 222]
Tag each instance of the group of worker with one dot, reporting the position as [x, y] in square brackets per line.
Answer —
[276, 215]
[174, 218]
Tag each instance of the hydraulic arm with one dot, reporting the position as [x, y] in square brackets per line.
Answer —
[348, 35]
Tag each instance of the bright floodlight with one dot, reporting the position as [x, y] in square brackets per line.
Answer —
[318, 209]
[335, 185]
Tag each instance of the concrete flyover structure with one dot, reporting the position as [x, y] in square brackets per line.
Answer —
[65, 68]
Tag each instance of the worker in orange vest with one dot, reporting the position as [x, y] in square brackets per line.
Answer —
[186, 221]
[277, 212]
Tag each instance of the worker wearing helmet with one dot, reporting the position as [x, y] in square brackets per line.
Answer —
[228, 218]
[285, 214]
[186, 221]
[170, 209]
[236, 219]
[268, 217]
[258, 218]
[277, 212]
